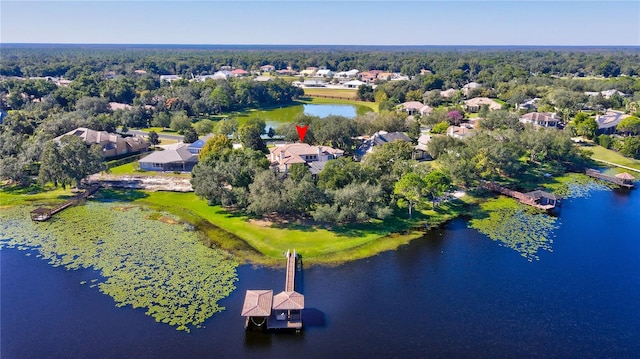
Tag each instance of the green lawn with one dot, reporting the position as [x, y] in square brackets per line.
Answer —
[603, 154]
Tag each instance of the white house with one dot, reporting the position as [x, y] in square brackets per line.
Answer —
[541, 119]
[353, 84]
[169, 78]
[324, 73]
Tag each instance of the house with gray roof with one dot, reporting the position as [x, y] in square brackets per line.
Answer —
[112, 144]
[378, 139]
[608, 122]
[176, 157]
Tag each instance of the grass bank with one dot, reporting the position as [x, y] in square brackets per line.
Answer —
[317, 244]
[602, 154]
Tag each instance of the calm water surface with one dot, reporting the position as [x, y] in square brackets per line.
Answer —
[274, 117]
[453, 293]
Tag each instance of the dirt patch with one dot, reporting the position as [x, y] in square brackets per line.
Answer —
[261, 223]
[123, 208]
[167, 220]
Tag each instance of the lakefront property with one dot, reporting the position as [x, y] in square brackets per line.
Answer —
[413, 162]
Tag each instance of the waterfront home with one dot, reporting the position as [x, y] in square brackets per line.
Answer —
[475, 104]
[608, 122]
[175, 157]
[113, 145]
[540, 119]
[412, 107]
[315, 157]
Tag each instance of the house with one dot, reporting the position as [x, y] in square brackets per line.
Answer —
[287, 72]
[119, 106]
[353, 84]
[541, 119]
[315, 157]
[351, 74]
[169, 78]
[420, 150]
[528, 104]
[606, 93]
[239, 73]
[176, 157]
[460, 132]
[378, 139]
[384, 76]
[396, 76]
[140, 72]
[470, 86]
[324, 73]
[475, 104]
[608, 122]
[267, 68]
[412, 107]
[197, 146]
[314, 83]
[425, 110]
[448, 93]
[263, 79]
[309, 71]
[221, 75]
[113, 145]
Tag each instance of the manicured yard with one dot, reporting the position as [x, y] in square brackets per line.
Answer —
[323, 91]
[603, 154]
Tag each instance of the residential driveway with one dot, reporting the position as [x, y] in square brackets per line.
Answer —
[149, 183]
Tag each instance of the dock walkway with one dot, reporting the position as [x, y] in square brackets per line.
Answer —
[41, 214]
[619, 181]
[549, 201]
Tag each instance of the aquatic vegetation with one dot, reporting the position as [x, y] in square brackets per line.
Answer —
[147, 259]
[515, 225]
[579, 186]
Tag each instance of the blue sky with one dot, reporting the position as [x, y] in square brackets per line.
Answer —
[452, 22]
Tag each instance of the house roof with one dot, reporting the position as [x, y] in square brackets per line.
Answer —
[239, 72]
[383, 137]
[471, 85]
[448, 93]
[540, 117]
[353, 83]
[262, 79]
[288, 301]
[302, 149]
[412, 105]
[257, 303]
[176, 153]
[479, 101]
[610, 119]
[91, 136]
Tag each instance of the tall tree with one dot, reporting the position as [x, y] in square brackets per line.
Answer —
[411, 188]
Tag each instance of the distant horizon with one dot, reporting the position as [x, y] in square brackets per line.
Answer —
[536, 23]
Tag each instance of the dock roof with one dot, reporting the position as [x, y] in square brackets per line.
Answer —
[257, 303]
[288, 301]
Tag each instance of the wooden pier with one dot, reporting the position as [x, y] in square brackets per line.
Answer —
[263, 310]
[41, 214]
[624, 179]
[539, 199]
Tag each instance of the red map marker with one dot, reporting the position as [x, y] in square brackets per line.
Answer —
[302, 130]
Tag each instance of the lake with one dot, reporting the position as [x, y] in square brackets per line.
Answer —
[276, 116]
[453, 293]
